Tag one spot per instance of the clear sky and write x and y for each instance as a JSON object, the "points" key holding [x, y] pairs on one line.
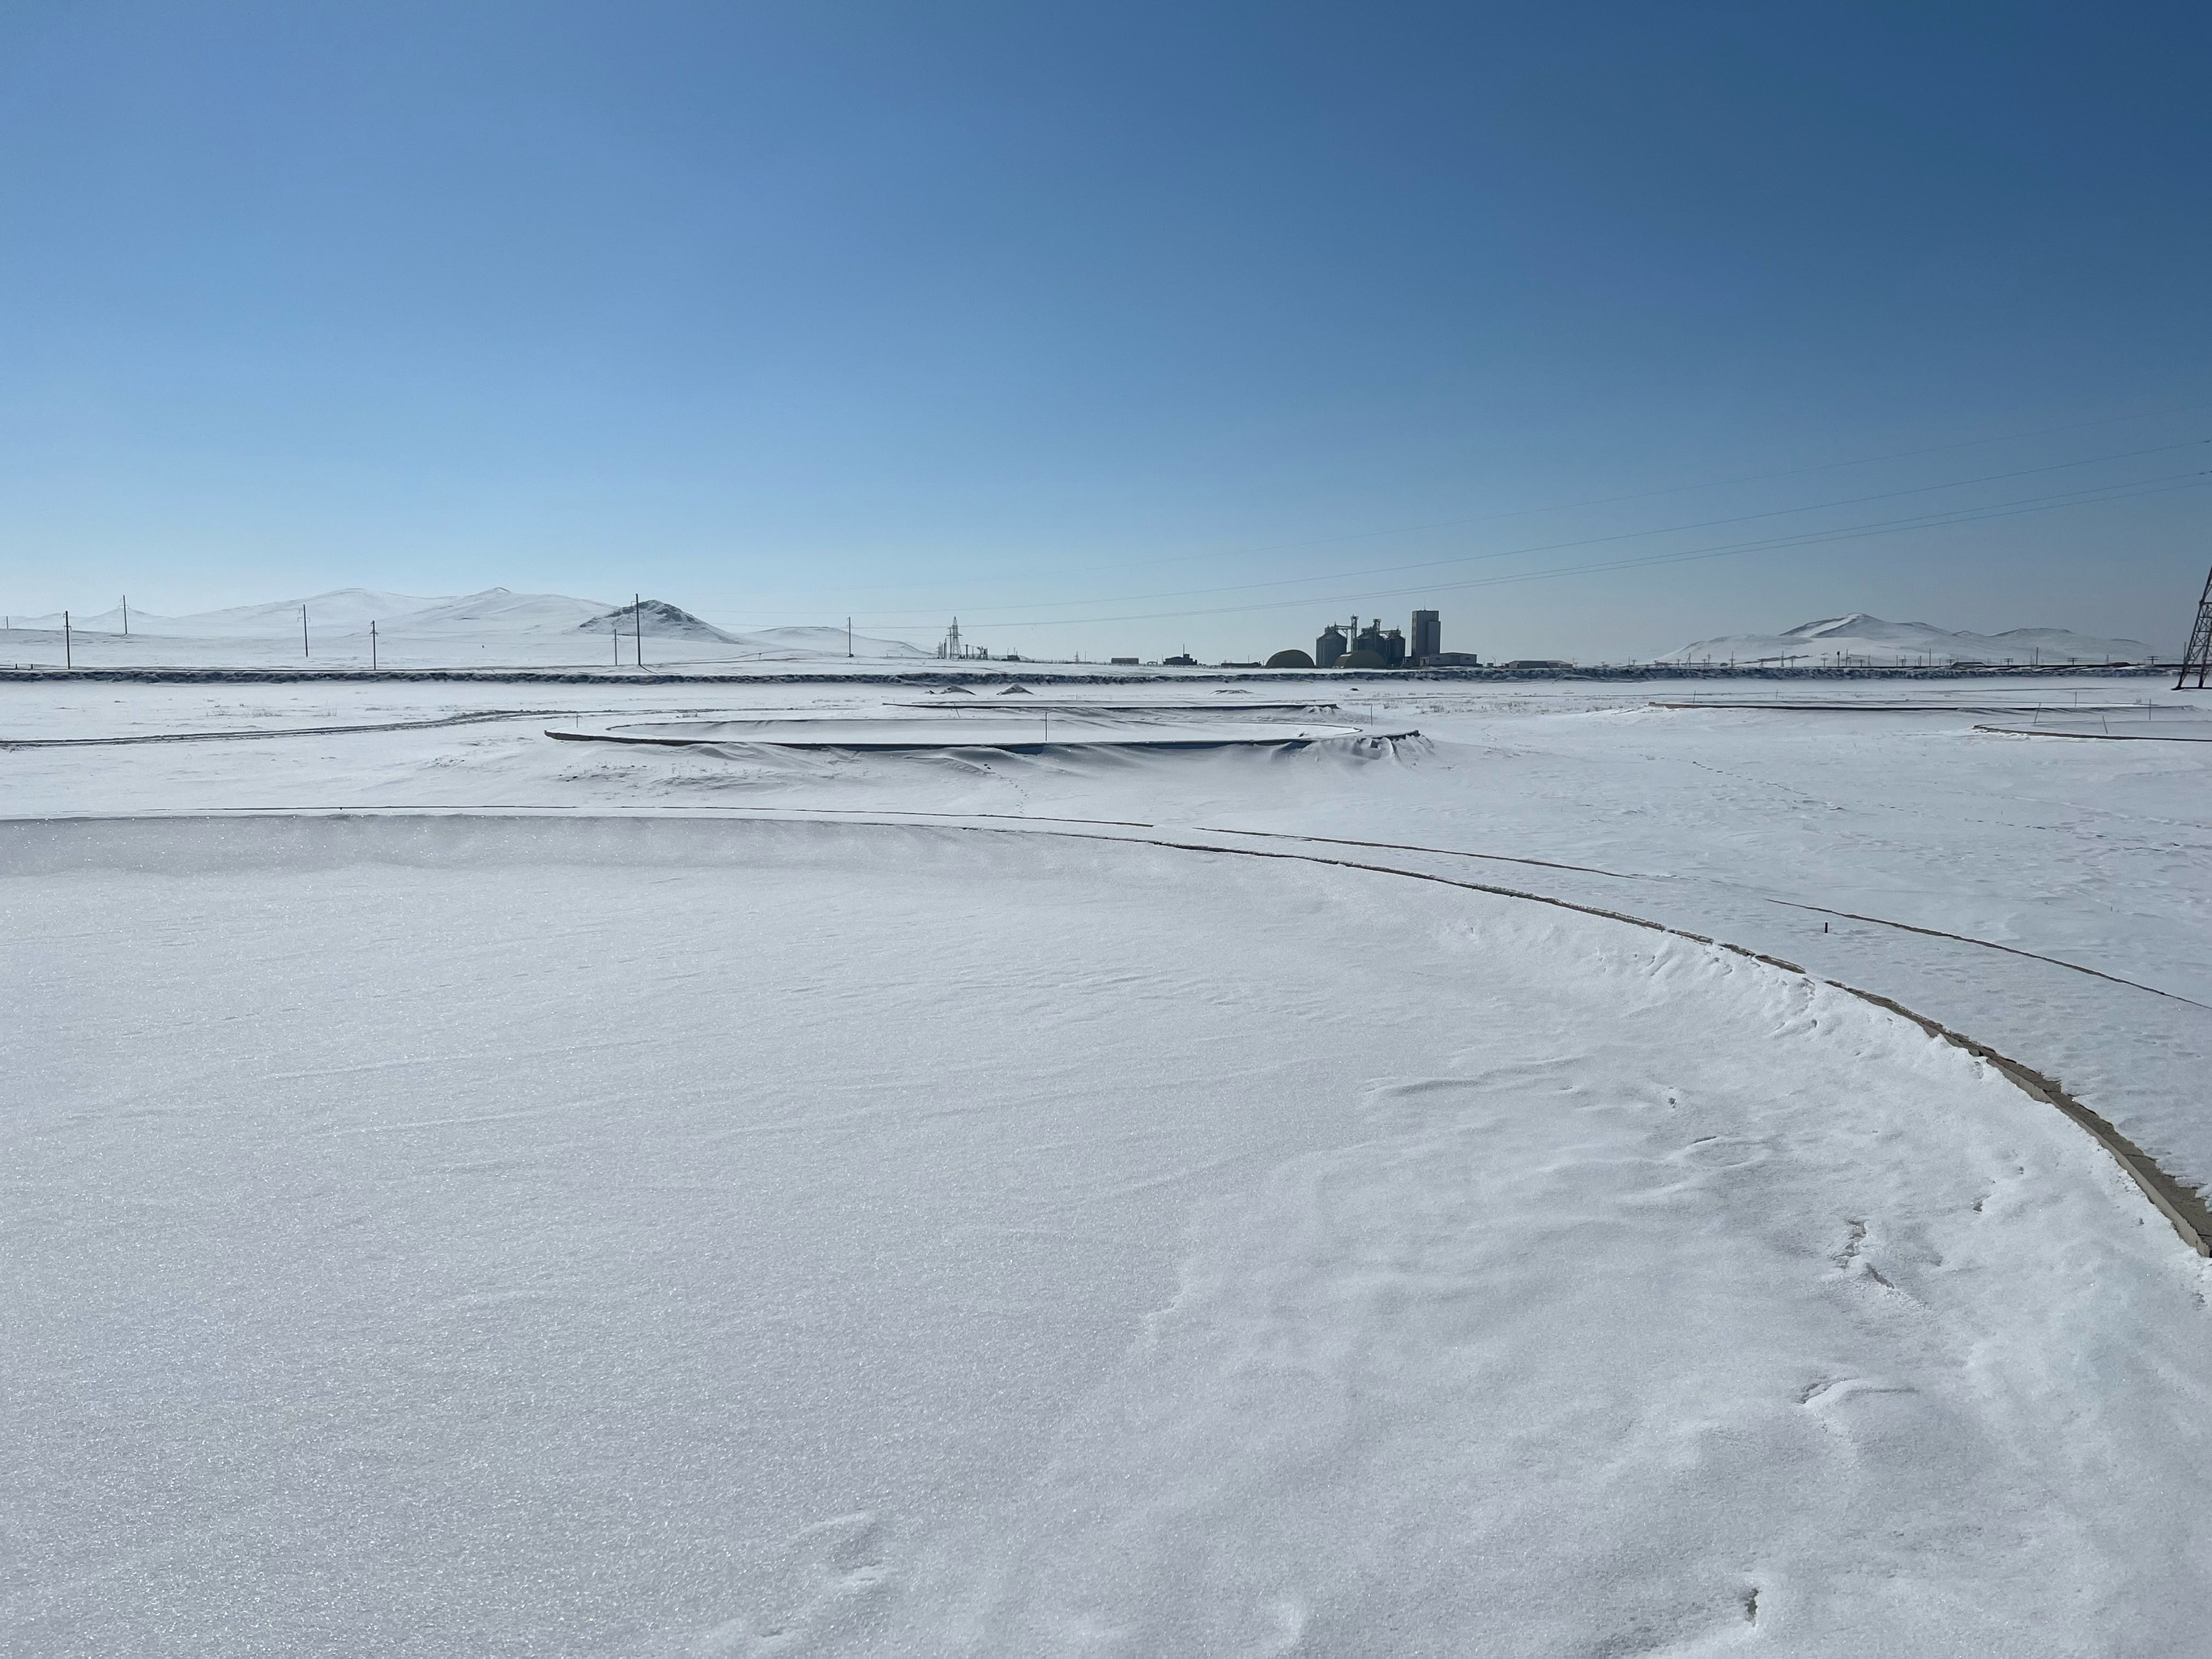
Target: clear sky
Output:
{"points": [[1085, 322]]}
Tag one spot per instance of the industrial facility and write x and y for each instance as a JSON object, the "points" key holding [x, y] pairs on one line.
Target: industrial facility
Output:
{"points": [[1377, 646]]}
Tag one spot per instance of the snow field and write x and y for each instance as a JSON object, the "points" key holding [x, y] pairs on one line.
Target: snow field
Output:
{"points": [[459, 1234], [1483, 1386], [1722, 821]]}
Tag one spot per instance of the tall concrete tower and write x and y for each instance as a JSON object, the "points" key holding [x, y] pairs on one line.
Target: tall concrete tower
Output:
{"points": [[1427, 636]]}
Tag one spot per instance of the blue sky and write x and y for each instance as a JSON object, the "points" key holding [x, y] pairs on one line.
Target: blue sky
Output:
{"points": [[1116, 328]]}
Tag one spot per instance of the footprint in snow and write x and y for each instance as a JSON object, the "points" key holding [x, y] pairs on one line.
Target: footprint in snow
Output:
{"points": [[828, 1578]]}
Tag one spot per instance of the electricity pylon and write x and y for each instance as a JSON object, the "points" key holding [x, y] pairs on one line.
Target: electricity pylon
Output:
{"points": [[2198, 658]]}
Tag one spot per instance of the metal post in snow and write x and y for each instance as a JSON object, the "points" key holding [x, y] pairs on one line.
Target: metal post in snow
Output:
{"points": [[303, 631], [637, 620], [127, 615], [371, 648], [69, 658]]}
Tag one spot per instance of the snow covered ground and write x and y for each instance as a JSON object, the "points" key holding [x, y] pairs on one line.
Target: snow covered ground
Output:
{"points": [[469, 1193]]}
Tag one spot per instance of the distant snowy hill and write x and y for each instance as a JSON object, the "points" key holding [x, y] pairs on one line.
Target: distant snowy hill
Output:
{"points": [[662, 621], [1862, 639], [497, 611], [496, 626], [665, 621], [829, 643], [343, 607]]}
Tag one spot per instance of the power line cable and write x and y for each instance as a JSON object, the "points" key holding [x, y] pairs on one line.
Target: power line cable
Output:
{"points": [[892, 618], [1717, 483], [1963, 516], [2159, 486], [1609, 500]]}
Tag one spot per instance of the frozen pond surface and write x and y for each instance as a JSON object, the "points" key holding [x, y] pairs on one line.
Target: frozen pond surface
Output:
{"points": [[621, 1200]]}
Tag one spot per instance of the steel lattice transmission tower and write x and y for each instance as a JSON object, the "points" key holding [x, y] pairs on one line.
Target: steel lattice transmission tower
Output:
{"points": [[2198, 658]]}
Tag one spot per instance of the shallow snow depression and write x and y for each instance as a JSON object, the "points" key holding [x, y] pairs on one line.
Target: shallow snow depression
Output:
{"points": [[469, 1234]]}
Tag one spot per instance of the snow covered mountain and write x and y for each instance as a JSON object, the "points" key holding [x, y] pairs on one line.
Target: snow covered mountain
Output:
{"points": [[496, 610], [343, 607], [665, 621], [495, 626], [661, 619], [1860, 639]]}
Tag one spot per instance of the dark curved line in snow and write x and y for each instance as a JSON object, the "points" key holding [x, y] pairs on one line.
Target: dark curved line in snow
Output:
{"points": [[1443, 852], [1991, 945], [277, 731], [1793, 904], [2182, 1205], [2093, 736], [1290, 737]]}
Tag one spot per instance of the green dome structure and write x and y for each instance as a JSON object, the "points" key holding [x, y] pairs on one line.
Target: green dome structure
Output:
{"points": [[1290, 659]]}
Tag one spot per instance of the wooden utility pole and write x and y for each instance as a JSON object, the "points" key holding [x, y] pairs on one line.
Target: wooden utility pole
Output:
{"points": [[69, 658], [371, 648], [127, 615], [303, 631], [637, 620]]}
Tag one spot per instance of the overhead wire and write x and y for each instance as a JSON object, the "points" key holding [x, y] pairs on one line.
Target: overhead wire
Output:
{"points": [[884, 617], [892, 617], [2162, 485]]}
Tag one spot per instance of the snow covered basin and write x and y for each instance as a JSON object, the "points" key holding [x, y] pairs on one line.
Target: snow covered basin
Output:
{"points": [[464, 1235], [998, 728]]}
